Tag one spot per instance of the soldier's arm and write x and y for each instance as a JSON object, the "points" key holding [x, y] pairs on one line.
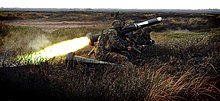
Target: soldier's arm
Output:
{"points": [[116, 41]]}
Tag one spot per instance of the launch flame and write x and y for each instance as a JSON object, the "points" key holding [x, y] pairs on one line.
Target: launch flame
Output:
{"points": [[58, 49]]}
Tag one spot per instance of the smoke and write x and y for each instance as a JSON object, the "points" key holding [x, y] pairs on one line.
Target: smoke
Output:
{"points": [[57, 49], [39, 42]]}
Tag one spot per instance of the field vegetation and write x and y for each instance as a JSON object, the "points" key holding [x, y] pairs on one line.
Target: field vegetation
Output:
{"points": [[182, 65]]}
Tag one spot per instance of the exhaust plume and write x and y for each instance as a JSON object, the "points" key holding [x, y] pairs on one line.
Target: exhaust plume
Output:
{"points": [[58, 49], [39, 42]]}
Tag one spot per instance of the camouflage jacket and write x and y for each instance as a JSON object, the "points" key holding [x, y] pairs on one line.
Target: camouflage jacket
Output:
{"points": [[142, 37], [109, 41]]}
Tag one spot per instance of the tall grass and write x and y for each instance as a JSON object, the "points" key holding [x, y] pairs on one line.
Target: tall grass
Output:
{"points": [[4, 29], [183, 87], [182, 65]]}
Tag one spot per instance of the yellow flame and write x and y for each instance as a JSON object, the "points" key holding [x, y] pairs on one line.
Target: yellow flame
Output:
{"points": [[58, 49]]}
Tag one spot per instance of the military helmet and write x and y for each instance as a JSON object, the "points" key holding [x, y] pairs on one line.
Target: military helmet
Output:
{"points": [[117, 24]]}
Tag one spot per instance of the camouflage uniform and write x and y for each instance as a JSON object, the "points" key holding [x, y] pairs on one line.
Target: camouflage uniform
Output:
{"points": [[143, 37], [111, 47]]}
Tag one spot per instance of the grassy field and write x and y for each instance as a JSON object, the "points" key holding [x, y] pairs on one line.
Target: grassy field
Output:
{"points": [[182, 65]]}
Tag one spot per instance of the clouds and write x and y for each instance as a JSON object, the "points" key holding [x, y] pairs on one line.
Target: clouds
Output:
{"points": [[127, 4]]}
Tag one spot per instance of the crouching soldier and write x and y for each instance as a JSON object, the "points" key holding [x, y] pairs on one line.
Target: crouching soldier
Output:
{"points": [[111, 47], [143, 38]]}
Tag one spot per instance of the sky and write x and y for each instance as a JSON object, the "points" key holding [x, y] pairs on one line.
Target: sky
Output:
{"points": [[122, 4]]}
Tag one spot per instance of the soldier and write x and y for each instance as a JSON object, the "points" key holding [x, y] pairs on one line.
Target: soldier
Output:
{"points": [[111, 47], [143, 38]]}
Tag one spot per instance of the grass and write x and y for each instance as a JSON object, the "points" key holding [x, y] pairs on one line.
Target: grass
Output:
{"points": [[181, 39], [182, 65], [23, 37], [3, 31], [69, 33]]}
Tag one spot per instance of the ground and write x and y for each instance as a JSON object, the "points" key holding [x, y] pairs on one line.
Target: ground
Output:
{"points": [[182, 65]]}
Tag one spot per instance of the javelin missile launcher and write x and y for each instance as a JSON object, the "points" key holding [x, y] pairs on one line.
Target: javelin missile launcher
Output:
{"points": [[127, 29]]}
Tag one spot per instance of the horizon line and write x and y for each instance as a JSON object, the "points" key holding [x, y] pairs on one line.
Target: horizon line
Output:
{"points": [[108, 8]]}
